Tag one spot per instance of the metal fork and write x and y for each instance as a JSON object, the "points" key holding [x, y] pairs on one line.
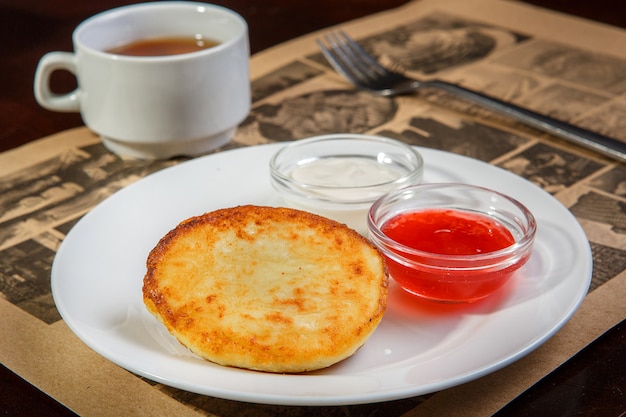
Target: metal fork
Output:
{"points": [[349, 59]]}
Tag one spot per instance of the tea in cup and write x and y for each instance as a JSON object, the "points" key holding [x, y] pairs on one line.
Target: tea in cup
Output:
{"points": [[156, 80]]}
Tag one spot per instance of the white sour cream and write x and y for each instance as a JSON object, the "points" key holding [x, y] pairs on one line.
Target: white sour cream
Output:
{"points": [[350, 171], [345, 181]]}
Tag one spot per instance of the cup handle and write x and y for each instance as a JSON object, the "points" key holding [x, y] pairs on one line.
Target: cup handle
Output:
{"points": [[54, 61]]}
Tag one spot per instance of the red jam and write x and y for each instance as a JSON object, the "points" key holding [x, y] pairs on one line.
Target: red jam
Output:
{"points": [[449, 232]]}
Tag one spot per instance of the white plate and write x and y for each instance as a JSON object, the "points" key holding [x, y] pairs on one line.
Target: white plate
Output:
{"points": [[98, 271]]}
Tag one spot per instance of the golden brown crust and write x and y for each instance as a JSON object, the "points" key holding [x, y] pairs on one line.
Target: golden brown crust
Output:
{"points": [[271, 289]]}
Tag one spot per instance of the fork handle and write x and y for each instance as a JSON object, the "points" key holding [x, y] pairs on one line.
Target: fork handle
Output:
{"points": [[583, 137]]}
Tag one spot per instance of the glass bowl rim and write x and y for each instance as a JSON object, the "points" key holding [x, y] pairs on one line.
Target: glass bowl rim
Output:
{"points": [[276, 173], [385, 244]]}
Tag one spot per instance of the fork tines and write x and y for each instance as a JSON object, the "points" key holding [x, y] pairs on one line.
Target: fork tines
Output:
{"points": [[349, 59]]}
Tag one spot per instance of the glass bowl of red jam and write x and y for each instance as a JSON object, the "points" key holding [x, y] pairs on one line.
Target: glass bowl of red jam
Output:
{"points": [[452, 243], [340, 176]]}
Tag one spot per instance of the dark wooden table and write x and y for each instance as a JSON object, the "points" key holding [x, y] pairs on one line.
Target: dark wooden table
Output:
{"points": [[30, 28]]}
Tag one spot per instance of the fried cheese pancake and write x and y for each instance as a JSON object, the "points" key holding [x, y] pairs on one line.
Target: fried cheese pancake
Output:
{"points": [[264, 288]]}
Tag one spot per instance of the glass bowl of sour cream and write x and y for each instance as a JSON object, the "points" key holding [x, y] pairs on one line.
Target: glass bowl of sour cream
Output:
{"points": [[340, 176]]}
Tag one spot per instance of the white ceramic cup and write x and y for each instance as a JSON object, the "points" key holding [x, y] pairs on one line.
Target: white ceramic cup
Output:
{"points": [[162, 106]]}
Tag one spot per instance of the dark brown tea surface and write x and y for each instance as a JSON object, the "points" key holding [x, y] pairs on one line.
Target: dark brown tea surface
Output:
{"points": [[163, 46]]}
